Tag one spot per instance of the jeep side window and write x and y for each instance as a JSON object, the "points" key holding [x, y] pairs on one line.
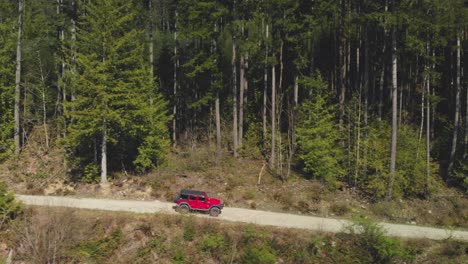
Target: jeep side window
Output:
{"points": [[184, 196], [191, 197], [201, 198]]}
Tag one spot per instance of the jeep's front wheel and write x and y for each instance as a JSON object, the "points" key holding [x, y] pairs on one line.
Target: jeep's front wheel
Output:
{"points": [[184, 209], [214, 211]]}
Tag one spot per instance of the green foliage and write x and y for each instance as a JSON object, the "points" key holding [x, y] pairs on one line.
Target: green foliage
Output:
{"points": [[7, 77], [260, 254], [116, 93], [317, 134], [101, 249], [179, 257], [154, 245], [189, 231], [411, 170], [9, 208], [91, 173], [460, 173], [373, 243]]}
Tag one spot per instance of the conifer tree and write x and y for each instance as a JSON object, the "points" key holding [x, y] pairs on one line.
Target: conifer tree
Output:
{"points": [[118, 109], [318, 134], [7, 76]]}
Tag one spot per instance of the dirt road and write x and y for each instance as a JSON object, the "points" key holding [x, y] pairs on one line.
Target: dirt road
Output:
{"points": [[243, 215]]}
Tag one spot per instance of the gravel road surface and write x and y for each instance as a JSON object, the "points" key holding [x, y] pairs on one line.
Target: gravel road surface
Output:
{"points": [[242, 215]]}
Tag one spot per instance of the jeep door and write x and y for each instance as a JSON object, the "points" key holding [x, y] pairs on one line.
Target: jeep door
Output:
{"points": [[192, 201], [202, 204]]}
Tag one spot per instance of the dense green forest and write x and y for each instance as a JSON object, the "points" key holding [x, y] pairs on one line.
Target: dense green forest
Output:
{"points": [[365, 94]]}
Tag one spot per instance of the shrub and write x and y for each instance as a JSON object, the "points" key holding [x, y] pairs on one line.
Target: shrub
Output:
{"points": [[9, 208], [339, 209], [101, 249], [189, 231], [215, 245], [178, 257], [379, 247], [260, 254]]}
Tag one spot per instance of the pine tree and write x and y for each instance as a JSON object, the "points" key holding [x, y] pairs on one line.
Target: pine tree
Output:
{"points": [[118, 108], [7, 77], [318, 134]]}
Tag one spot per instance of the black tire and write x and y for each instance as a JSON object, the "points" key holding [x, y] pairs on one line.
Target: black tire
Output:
{"points": [[214, 211], [184, 209]]}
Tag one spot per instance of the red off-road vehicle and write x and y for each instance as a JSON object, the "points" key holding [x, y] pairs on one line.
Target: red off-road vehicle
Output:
{"points": [[191, 200]]}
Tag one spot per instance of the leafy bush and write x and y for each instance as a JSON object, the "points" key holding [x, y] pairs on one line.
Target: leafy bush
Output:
{"points": [[101, 249], [340, 209], [215, 245], [410, 176], [178, 257], [189, 231], [460, 174], [379, 248], [9, 208], [260, 254], [91, 172]]}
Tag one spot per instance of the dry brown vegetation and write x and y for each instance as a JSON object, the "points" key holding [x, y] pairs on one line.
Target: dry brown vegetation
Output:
{"points": [[49, 235], [235, 182]]}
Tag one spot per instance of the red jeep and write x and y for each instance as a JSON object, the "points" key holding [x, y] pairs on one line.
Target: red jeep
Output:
{"points": [[191, 200]]}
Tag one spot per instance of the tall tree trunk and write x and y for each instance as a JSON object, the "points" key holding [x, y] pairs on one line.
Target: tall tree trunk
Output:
{"points": [[273, 116], [428, 135], [265, 92], [73, 49], [456, 121], [43, 95], [61, 66], [421, 127], [17, 128], [151, 37], [246, 81], [359, 89], [234, 98], [217, 108], [176, 68], [104, 152], [393, 151], [342, 64], [241, 99], [366, 97]]}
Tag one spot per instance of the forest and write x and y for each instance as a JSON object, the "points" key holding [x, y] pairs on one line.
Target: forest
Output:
{"points": [[361, 94]]}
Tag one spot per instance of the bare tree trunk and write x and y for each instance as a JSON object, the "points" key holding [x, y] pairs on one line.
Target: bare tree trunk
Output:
{"points": [[246, 80], [234, 97], [273, 116], [342, 64], [151, 37], [73, 50], [393, 152], [421, 128], [17, 128], [44, 109], [456, 121], [382, 74], [60, 83], [241, 99], [104, 152], [176, 67], [366, 97], [265, 92], [428, 135], [217, 108]]}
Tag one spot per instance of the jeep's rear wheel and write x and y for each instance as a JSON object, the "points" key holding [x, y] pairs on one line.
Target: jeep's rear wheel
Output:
{"points": [[184, 209], [214, 211]]}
